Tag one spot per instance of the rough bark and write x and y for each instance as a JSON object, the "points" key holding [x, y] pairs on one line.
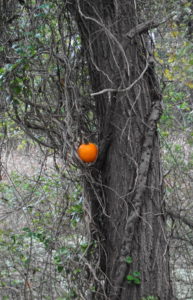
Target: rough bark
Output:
{"points": [[124, 187]]}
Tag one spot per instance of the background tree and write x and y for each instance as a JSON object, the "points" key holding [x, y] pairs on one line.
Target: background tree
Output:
{"points": [[176, 138]]}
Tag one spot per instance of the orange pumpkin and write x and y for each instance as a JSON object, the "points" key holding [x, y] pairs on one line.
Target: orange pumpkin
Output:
{"points": [[88, 152]]}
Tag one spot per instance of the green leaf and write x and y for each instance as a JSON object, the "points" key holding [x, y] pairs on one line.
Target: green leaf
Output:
{"points": [[128, 260], [84, 246], [137, 274], [137, 281], [2, 70], [27, 229], [60, 268], [75, 209], [130, 278], [57, 260], [134, 278], [13, 238], [17, 89]]}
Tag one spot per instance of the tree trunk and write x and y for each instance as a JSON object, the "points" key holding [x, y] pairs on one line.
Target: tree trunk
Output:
{"points": [[124, 187]]}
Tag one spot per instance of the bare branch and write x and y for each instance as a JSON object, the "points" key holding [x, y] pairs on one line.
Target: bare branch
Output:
{"points": [[144, 27], [178, 216]]}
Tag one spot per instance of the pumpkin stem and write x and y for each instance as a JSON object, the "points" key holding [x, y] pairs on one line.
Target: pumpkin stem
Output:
{"points": [[85, 140]]}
